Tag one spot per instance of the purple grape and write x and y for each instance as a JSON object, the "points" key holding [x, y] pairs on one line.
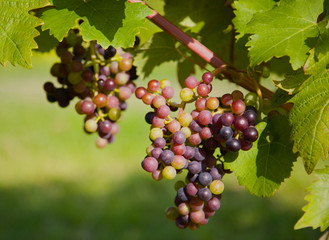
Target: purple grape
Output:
{"points": [[251, 108], [250, 134], [204, 194], [194, 167], [216, 119], [192, 177], [160, 142], [181, 222], [123, 106], [205, 178], [104, 70], [245, 145], [213, 204], [181, 195], [225, 133], [233, 145], [109, 84], [87, 75], [210, 161], [251, 116], [105, 126], [148, 117], [207, 77], [210, 144], [227, 119], [215, 174], [156, 152], [241, 123], [200, 154], [179, 137], [191, 189], [195, 127], [167, 156], [189, 152], [109, 52]]}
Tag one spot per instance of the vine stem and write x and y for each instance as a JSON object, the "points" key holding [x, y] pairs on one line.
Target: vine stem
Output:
{"points": [[204, 52]]}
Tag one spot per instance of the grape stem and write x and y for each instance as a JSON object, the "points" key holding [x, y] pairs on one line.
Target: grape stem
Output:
{"points": [[201, 50], [94, 58]]}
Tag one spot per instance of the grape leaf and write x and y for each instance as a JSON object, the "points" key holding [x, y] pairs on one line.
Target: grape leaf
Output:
{"points": [[317, 211], [319, 55], [286, 29], [45, 41], [17, 31], [244, 11], [292, 81], [109, 22], [280, 97], [310, 120], [159, 49], [264, 167], [210, 20]]}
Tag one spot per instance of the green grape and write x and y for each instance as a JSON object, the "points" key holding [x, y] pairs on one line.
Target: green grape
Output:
{"points": [[171, 213], [164, 83], [185, 119], [187, 131], [74, 77], [216, 187], [91, 125], [155, 133], [186, 94], [251, 97], [169, 172], [266, 72], [114, 114]]}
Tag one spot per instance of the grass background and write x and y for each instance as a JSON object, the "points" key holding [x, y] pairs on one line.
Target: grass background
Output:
{"points": [[55, 184]]}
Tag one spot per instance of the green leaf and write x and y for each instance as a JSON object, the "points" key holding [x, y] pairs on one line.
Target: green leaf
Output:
{"points": [[109, 22], [210, 20], [17, 31], [318, 60], [317, 211], [244, 11], [264, 167], [292, 82], [310, 120], [280, 97], [159, 49], [45, 41], [286, 29]]}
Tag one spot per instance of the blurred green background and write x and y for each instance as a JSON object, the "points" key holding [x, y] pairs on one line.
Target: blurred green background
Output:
{"points": [[55, 184]]}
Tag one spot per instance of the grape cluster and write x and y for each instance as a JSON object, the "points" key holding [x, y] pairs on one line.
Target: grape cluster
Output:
{"points": [[189, 141], [102, 80]]}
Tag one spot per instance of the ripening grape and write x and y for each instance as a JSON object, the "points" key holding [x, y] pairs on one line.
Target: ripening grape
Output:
{"points": [[125, 64], [186, 94], [169, 172], [167, 92], [150, 164], [187, 143], [164, 83], [216, 187], [156, 133], [153, 85], [91, 125]]}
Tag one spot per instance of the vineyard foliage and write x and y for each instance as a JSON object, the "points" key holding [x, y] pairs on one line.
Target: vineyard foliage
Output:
{"points": [[284, 42]]}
